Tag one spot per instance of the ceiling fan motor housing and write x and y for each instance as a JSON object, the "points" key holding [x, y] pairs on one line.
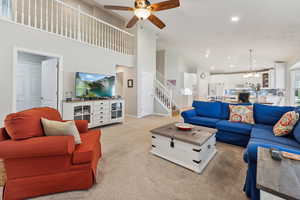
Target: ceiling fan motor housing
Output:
{"points": [[142, 4]]}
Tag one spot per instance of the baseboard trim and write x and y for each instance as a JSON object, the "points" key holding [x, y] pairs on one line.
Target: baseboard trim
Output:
{"points": [[161, 114], [133, 116]]}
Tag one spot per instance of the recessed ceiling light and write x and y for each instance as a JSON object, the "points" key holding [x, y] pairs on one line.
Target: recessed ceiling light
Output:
{"points": [[231, 66], [207, 53], [235, 18]]}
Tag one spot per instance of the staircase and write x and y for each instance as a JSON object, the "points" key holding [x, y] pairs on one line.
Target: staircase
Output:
{"points": [[164, 96]]}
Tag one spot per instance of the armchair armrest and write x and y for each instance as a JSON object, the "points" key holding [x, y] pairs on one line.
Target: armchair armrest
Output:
{"points": [[37, 147], [189, 113], [82, 125]]}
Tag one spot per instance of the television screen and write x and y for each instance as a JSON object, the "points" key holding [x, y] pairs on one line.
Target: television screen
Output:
{"points": [[94, 85]]}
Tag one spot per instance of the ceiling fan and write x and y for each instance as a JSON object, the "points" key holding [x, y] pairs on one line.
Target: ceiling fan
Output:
{"points": [[143, 10]]}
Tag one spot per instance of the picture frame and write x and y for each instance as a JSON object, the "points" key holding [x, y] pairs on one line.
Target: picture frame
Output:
{"points": [[130, 83]]}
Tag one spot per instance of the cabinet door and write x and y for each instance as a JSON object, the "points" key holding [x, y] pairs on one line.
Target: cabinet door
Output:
{"points": [[117, 110], [77, 111], [87, 112]]}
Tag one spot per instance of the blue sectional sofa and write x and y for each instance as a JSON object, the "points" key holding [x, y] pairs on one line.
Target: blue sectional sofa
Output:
{"points": [[216, 115]]}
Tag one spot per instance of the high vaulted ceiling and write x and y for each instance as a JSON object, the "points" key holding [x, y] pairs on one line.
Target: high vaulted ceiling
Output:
{"points": [[204, 27]]}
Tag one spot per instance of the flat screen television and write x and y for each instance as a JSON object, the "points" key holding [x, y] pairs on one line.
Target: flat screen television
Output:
{"points": [[94, 85]]}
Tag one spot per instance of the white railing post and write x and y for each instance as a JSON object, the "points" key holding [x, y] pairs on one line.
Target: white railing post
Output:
{"points": [[46, 13], [66, 23], [41, 20], [62, 19], [52, 16], [35, 14], [29, 13], [22, 10], [57, 10], [16, 10]]}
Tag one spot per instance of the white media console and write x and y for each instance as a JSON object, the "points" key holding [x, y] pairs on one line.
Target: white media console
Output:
{"points": [[96, 112]]}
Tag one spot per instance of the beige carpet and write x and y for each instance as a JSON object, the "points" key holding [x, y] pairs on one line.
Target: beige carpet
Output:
{"points": [[128, 171]]}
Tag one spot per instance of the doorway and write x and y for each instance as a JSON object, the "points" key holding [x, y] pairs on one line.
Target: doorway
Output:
{"points": [[127, 91], [36, 81], [295, 87]]}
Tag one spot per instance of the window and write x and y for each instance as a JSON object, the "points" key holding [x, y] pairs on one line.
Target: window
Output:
{"points": [[6, 8], [295, 79]]}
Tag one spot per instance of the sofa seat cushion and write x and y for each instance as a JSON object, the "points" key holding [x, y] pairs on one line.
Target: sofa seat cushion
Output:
{"points": [[84, 152], [208, 109], [267, 135], [269, 115], [203, 121], [263, 126], [234, 127]]}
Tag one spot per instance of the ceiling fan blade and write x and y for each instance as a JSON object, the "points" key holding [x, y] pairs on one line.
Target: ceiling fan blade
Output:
{"points": [[156, 21], [118, 8], [132, 22], [165, 5]]}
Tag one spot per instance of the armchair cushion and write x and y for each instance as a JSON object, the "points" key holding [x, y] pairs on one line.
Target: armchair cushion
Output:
{"points": [[37, 147], [56, 128], [27, 124], [85, 151]]}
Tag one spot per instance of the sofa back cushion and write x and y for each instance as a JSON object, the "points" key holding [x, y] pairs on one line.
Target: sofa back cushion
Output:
{"points": [[208, 109], [27, 124], [296, 132], [269, 115]]}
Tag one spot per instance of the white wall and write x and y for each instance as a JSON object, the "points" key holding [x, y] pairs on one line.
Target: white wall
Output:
{"points": [[76, 57], [146, 69], [293, 64], [202, 83]]}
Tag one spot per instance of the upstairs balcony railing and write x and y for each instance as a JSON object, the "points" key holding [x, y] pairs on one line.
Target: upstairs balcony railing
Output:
{"points": [[57, 17]]}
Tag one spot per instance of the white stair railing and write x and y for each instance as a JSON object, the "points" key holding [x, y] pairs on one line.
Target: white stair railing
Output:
{"points": [[55, 16], [163, 95], [179, 98]]}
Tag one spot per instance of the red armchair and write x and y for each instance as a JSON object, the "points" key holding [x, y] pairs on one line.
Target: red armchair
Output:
{"points": [[41, 164]]}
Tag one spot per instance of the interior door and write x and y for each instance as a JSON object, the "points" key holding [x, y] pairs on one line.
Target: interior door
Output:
{"points": [[28, 86], [49, 83]]}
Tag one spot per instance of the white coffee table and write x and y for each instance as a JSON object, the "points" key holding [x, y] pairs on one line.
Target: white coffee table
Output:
{"points": [[190, 149]]}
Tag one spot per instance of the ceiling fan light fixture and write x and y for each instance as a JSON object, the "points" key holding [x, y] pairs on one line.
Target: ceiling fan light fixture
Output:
{"points": [[142, 13]]}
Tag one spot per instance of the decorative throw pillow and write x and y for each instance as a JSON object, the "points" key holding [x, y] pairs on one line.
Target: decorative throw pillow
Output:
{"points": [[286, 123], [241, 113], [56, 128]]}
